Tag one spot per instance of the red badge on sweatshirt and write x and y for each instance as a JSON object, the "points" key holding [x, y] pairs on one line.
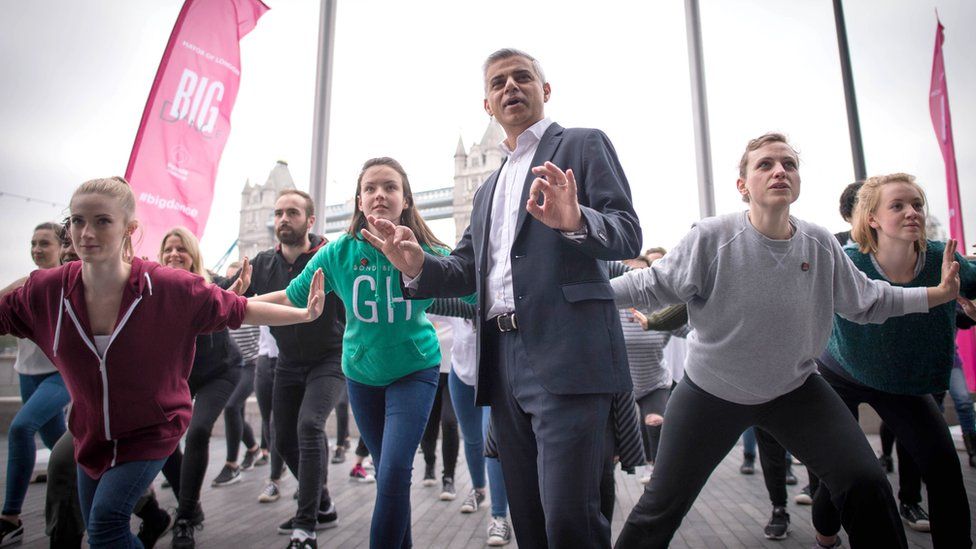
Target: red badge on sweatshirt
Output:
{"points": [[804, 266], [364, 262]]}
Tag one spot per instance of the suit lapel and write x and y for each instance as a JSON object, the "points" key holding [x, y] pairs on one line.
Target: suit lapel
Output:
{"points": [[547, 149]]}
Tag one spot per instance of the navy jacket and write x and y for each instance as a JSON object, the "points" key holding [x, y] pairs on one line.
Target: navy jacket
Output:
{"points": [[563, 300]]}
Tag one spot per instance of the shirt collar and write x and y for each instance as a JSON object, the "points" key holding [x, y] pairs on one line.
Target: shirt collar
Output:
{"points": [[528, 138]]}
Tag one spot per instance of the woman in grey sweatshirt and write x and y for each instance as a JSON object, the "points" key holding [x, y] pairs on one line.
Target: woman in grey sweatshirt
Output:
{"points": [[761, 288]]}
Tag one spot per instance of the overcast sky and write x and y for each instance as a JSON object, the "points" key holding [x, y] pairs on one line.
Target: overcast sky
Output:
{"points": [[407, 83]]}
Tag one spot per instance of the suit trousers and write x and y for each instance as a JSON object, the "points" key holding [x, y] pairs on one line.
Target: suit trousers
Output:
{"points": [[551, 447]]}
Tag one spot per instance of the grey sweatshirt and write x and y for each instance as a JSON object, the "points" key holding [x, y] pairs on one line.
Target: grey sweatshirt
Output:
{"points": [[761, 310]]}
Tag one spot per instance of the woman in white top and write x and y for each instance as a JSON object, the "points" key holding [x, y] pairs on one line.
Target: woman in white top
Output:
{"points": [[44, 395]]}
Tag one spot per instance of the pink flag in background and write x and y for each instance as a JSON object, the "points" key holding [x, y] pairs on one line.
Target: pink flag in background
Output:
{"points": [[186, 121], [939, 109]]}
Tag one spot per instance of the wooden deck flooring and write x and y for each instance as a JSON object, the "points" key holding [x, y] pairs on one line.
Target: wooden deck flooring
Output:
{"points": [[730, 512]]}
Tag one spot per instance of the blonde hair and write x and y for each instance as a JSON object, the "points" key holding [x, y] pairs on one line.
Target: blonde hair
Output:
{"points": [[117, 188], [868, 201], [192, 246]]}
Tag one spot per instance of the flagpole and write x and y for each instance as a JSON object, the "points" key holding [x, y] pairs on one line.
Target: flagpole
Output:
{"points": [[699, 104], [323, 104], [853, 121]]}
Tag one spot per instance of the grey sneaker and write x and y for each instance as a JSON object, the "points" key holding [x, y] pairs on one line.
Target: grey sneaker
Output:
{"points": [[499, 533], [270, 493], [227, 476], [473, 502], [447, 491]]}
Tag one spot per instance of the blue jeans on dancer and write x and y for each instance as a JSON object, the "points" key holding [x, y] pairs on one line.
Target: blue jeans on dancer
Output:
{"points": [[474, 424], [391, 419], [44, 397], [107, 502]]}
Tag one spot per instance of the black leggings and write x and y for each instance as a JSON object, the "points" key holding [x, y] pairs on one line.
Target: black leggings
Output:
{"points": [[236, 427], [919, 426], [442, 414], [654, 402], [209, 400], [264, 374], [811, 421]]}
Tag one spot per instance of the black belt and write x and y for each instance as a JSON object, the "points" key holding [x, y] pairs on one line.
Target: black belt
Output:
{"points": [[505, 322]]}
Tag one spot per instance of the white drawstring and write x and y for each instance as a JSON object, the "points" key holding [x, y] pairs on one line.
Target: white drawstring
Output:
{"points": [[57, 329]]}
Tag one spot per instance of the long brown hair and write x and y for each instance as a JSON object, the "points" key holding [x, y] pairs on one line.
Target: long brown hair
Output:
{"points": [[410, 217]]}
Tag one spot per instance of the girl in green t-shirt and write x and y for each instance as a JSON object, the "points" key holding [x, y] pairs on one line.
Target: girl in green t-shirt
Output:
{"points": [[390, 354]]}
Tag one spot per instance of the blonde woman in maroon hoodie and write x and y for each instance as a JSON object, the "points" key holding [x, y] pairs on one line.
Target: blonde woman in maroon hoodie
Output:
{"points": [[121, 331]]}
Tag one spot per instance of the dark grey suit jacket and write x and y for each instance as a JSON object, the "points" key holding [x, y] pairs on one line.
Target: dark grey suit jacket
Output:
{"points": [[564, 304]]}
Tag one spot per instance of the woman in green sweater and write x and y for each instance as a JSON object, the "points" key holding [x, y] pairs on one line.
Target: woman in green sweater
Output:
{"points": [[895, 366], [390, 353]]}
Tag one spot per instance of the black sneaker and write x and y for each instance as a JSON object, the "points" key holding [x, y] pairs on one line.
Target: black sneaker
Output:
{"points": [[887, 463], [326, 519], [778, 526], [11, 533], [790, 477], [249, 458], [429, 478], [227, 476], [915, 516], [804, 497], [183, 534], [307, 543], [153, 527], [473, 502], [340, 454], [448, 493], [748, 466]]}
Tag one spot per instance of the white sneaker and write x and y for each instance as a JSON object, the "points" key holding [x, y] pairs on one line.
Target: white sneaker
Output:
{"points": [[499, 533]]}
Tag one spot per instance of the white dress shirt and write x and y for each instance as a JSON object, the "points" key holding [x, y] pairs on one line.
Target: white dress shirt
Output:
{"points": [[505, 208]]}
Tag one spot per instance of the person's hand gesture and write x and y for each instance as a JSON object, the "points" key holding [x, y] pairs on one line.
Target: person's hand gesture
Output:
{"points": [[641, 319], [243, 281], [950, 271], [316, 296], [560, 208], [398, 244]]}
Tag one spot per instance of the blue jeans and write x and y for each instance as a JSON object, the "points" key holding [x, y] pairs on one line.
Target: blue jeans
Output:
{"points": [[391, 420], [474, 424], [44, 398], [107, 503], [749, 443], [963, 402]]}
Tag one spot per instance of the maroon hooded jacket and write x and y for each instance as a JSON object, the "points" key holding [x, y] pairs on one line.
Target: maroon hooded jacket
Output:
{"points": [[133, 403]]}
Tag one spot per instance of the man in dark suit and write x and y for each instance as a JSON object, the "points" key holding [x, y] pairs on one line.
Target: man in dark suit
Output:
{"points": [[550, 348]]}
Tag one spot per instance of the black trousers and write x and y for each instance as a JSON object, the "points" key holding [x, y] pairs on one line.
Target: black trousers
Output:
{"points": [[811, 421], [919, 426], [304, 396], [441, 419], [551, 449], [236, 427]]}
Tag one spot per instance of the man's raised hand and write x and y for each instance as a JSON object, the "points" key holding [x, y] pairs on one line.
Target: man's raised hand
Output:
{"points": [[560, 208], [398, 244]]}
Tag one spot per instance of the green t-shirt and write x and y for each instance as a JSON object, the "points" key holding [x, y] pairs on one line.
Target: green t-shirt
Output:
{"points": [[387, 337]]}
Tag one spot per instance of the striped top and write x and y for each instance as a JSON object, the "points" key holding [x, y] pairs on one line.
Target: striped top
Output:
{"points": [[645, 353], [246, 338]]}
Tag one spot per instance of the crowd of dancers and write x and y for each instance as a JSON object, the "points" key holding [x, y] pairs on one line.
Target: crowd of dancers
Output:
{"points": [[555, 371]]}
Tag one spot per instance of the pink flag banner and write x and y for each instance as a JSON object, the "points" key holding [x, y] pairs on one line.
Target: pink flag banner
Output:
{"points": [[942, 122], [186, 122]]}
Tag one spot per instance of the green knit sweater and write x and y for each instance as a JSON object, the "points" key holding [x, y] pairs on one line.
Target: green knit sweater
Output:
{"points": [[911, 354]]}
